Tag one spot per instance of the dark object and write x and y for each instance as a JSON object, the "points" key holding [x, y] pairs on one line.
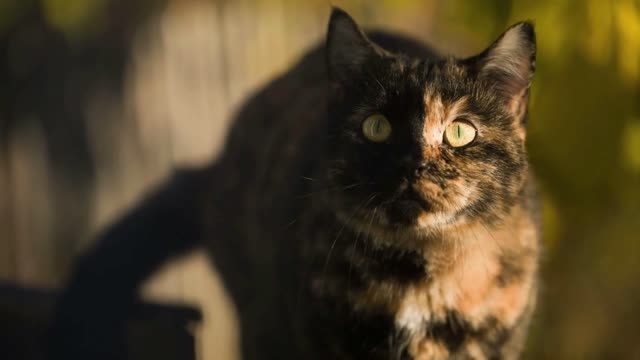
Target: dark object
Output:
{"points": [[158, 332]]}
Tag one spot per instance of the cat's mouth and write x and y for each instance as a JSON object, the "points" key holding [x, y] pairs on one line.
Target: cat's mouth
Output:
{"points": [[412, 198], [407, 207]]}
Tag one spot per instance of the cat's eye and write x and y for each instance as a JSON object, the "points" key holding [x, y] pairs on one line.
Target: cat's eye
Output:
{"points": [[460, 133], [376, 128]]}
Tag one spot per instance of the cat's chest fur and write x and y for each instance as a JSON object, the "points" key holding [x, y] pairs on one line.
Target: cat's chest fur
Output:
{"points": [[457, 309], [469, 295]]}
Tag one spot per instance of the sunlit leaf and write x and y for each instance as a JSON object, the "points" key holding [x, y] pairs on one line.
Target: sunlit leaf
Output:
{"points": [[628, 25]]}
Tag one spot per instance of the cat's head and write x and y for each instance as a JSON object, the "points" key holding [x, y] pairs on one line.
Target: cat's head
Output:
{"points": [[419, 142]]}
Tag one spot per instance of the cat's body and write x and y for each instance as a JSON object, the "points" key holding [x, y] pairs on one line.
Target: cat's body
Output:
{"points": [[333, 247]]}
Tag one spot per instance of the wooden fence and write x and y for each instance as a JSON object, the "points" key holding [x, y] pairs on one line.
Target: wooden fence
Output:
{"points": [[189, 68]]}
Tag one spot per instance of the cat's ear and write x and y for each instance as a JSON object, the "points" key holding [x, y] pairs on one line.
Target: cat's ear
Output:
{"points": [[348, 48], [509, 64]]}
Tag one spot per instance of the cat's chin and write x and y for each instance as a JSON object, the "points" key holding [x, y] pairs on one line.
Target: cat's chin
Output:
{"points": [[407, 220], [431, 221], [404, 213], [402, 218]]}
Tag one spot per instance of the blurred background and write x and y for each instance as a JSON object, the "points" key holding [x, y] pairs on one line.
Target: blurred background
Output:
{"points": [[100, 99]]}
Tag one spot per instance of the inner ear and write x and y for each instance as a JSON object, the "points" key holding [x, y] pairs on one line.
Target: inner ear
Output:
{"points": [[508, 65], [348, 48]]}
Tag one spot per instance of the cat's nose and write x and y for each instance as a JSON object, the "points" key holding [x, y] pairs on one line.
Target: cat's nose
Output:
{"points": [[423, 168]]}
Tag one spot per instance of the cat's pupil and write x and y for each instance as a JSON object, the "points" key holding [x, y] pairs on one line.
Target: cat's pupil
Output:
{"points": [[459, 130]]}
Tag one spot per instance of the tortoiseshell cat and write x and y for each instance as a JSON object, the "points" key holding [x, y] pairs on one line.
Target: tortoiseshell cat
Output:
{"points": [[374, 202]]}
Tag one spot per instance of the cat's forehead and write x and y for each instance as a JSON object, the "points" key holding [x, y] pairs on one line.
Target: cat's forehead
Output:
{"points": [[446, 76], [443, 91], [439, 112]]}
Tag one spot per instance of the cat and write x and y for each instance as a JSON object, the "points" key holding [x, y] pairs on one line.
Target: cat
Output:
{"points": [[374, 202]]}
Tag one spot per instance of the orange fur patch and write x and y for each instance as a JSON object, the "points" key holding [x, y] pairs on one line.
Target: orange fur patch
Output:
{"points": [[464, 271], [427, 349], [438, 116]]}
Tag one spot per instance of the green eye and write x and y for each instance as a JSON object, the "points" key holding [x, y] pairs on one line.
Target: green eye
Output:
{"points": [[376, 128], [460, 133]]}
